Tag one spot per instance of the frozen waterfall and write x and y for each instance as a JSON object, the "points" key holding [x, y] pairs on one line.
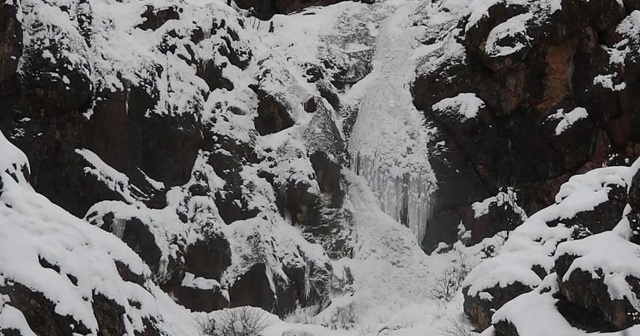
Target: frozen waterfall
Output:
{"points": [[388, 144], [406, 197]]}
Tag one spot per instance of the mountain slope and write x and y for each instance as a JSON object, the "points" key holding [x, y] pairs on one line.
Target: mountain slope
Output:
{"points": [[180, 157]]}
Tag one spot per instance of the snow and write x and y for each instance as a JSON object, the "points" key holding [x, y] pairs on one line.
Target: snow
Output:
{"points": [[12, 318], [535, 243], [388, 144], [567, 119], [390, 188], [513, 29], [501, 199], [104, 173], [33, 228], [192, 281], [541, 304], [13, 161], [607, 82], [609, 253], [465, 106], [520, 310], [480, 8]]}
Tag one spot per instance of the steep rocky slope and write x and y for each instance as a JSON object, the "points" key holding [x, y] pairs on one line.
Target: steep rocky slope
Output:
{"points": [[524, 94], [169, 127], [555, 267], [165, 160]]}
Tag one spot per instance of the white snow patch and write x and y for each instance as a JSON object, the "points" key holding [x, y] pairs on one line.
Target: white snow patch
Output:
{"points": [[192, 281], [501, 199], [566, 120], [606, 81], [464, 105], [514, 29]]}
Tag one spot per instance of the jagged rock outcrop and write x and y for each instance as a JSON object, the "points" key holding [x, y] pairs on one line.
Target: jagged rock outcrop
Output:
{"points": [[576, 270], [265, 9], [524, 95], [156, 127], [62, 276]]}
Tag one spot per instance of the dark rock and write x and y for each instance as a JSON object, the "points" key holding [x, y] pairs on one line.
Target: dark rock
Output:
{"points": [[505, 328], [253, 289], [499, 217], [604, 217], [311, 105], [227, 159], [138, 237], [126, 138], [109, 316], [295, 200], [591, 293], [459, 185], [581, 318], [265, 9], [54, 86], [196, 299], [329, 177], [634, 193], [154, 19], [480, 310], [208, 258], [350, 72], [328, 92], [313, 73], [212, 75], [631, 5], [40, 312], [237, 54], [127, 275], [512, 142], [273, 116], [10, 46]]}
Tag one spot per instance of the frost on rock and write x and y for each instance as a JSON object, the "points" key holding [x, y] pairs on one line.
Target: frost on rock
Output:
{"points": [[567, 119], [552, 243], [463, 106], [58, 260], [13, 162], [514, 30], [502, 199]]}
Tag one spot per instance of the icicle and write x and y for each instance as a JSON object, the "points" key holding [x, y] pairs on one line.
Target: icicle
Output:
{"points": [[407, 198]]}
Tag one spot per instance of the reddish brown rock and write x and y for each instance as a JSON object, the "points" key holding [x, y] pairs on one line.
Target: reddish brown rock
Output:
{"points": [[513, 142]]}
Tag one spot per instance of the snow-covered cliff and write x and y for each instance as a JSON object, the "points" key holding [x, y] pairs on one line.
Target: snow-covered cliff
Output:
{"points": [[164, 161]]}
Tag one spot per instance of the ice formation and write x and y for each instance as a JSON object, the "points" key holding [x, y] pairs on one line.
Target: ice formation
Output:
{"points": [[388, 144]]}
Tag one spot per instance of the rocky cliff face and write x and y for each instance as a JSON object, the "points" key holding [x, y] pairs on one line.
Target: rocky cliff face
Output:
{"points": [[160, 157], [523, 96], [574, 263], [548, 88], [162, 125]]}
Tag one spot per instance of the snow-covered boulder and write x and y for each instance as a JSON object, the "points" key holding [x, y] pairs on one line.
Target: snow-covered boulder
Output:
{"points": [[582, 242], [600, 274], [184, 129], [553, 78], [60, 276]]}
